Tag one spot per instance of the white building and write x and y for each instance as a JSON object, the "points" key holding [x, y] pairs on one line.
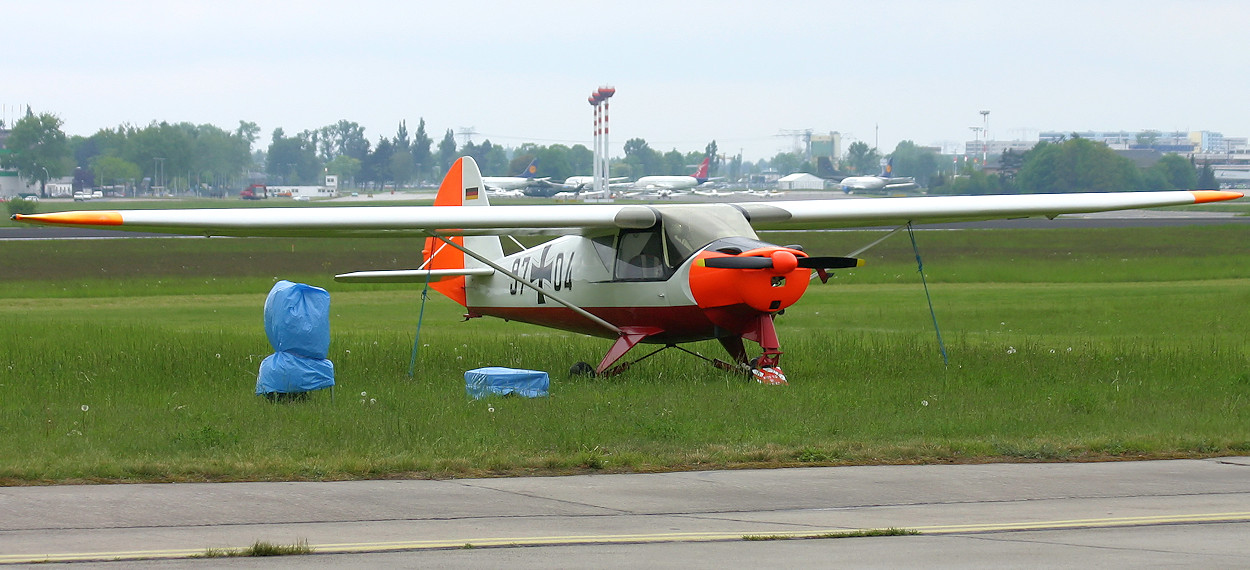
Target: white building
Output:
{"points": [[800, 181]]}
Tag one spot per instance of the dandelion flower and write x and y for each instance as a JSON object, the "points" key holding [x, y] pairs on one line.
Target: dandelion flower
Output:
{"points": [[924, 402], [85, 407], [364, 394]]}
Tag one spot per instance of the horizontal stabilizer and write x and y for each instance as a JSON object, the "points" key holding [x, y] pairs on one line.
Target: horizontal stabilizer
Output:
{"points": [[410, 275]]}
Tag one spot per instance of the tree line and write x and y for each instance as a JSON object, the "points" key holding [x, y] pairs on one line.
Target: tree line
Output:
{"points": [[185, 156]]}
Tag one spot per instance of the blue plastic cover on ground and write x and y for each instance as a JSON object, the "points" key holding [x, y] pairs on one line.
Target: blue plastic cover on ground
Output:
{"points": [[286, 373], [483, 382], [297, 319], [297, 322]]}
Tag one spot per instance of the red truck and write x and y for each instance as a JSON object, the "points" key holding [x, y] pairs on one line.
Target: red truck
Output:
{"points": [[255, 192]]}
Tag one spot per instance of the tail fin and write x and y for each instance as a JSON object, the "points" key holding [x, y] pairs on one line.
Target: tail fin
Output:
{"points": [[461, 187], [531, 170], [701, 173], [887, 168]]}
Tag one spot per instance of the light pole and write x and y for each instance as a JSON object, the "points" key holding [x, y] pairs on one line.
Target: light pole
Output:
{"points": [[43, 189], [976, 134], [985, 118]]}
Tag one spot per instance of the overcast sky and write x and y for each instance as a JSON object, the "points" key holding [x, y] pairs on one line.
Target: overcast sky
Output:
{"points": [[685, 72]]}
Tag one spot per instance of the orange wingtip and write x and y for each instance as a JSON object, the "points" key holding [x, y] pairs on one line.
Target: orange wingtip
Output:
{"points": [[1201, 196], [103, 218]]}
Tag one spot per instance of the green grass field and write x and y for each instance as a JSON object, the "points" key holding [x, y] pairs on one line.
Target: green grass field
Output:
{"points": [[136, 360]]}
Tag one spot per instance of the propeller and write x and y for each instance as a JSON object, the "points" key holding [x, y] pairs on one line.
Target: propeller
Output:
{"points": [[761, 262]]}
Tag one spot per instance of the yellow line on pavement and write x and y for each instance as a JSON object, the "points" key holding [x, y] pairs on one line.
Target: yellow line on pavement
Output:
{"points": [[564, 540]]}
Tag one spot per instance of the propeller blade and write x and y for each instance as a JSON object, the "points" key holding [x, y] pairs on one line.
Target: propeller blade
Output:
{"points": [[750, 262], [829, 262]]}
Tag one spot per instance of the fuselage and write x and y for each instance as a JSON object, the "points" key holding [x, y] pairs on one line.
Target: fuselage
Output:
{"points": [[639, 279], [506, 182], [875, 184], [667, 182]]}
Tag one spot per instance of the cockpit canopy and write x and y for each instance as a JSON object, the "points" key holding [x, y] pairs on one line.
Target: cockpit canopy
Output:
{"points": [[655, 253]]}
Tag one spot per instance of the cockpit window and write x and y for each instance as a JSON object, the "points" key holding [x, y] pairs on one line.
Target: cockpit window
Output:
{"points": [[640, 256]]}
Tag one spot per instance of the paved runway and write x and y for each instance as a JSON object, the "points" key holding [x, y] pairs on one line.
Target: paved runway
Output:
{"points": [[1150, 513]]}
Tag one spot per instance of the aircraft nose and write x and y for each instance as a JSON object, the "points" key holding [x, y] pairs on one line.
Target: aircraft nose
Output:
{"points": [[765, 279]]}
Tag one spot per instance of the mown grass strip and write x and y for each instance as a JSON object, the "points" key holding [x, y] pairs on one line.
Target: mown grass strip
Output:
{"points": [[1051, 371]]}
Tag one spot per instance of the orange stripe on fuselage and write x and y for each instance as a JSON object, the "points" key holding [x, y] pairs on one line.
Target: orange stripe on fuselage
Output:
{"points": [[79, 218], [1203, 196]]}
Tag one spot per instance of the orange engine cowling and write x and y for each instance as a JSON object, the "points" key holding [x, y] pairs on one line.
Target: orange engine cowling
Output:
{"points": [[766, 289]]}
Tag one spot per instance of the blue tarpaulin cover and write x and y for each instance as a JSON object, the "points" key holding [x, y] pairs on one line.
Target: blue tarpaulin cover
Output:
{"points": [[297, 322], [483, 382]]}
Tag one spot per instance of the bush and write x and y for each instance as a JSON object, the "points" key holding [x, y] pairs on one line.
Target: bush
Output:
{"points": [[20, 206]]}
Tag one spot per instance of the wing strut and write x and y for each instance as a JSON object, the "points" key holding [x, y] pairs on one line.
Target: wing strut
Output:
{"points": [[530, 284], [925, 282]]}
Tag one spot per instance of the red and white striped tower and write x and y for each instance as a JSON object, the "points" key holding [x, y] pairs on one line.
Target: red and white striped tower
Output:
{"points": [[605, 92], [594, 101]]}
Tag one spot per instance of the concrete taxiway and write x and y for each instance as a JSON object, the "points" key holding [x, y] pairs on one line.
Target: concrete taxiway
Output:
{"points": [[1172, 513]]}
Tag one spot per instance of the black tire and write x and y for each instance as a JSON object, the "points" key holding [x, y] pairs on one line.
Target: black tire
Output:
{"points": [[582, 369]]}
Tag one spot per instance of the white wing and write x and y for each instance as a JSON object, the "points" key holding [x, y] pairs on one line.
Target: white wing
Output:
{"points": [[562, 219], [928, 209]]}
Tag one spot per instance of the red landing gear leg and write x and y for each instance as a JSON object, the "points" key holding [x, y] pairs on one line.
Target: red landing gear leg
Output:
{"points": [[767, 368]]}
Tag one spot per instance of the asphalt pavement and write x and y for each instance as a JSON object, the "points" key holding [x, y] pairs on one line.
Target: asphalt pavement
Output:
{"points": [[1119, 514]]}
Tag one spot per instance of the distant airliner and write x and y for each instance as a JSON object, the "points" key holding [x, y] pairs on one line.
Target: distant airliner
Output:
{"points": [[671, 183], [499, 184], [884, 182]]}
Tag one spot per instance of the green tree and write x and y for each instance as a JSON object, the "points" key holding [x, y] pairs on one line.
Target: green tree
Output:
{"points": [[553, 161], [446, 152], [914, 161], [675, 163], [581, 160], [641, 158], [422, 158], [1172, 172], [114, 171], [786, 163], [715, 165], [38, 149], [377, 166], [343, 137], [401, 167], [1147, 138], [974, 183], [346, 167], [861, 159], [1076, 165], [1206, 179], [293, 159], [248, 132]]}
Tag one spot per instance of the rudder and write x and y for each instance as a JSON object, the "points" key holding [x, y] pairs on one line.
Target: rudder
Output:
{"points": [[462, 186]]}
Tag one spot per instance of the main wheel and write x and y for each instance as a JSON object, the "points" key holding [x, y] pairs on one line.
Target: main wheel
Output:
{"points": [[582, 369]]}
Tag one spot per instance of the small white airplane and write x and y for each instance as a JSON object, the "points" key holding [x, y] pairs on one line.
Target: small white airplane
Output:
{"points": [[579, 194], [575, 183], [663, 274], [765, 193], [714, 193], [671, 183], [883, 183], [513, 183]]}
